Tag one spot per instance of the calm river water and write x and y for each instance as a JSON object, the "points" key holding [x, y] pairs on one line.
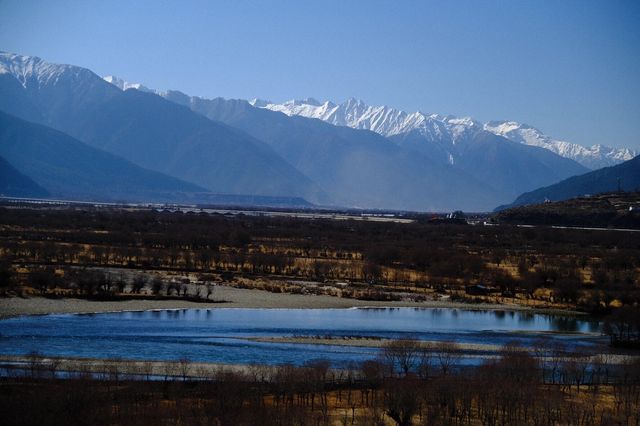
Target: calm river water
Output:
{"points": [[220, 335]]}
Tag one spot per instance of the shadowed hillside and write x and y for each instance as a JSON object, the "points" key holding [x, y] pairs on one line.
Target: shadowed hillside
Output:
{"points": [[16, 184], [625, 177], [617, 210], [68, 168]]}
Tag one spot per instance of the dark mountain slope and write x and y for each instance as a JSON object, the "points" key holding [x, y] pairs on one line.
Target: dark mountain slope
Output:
{"points": [[14, 99], [159, 134], [627, 174], [617, 210], [510, 167], [148, 130], [15, 184], [68, 168], [356, 167]]}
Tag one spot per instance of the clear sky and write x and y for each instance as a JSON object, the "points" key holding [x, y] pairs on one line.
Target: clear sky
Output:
{"points": [[570, 68]]}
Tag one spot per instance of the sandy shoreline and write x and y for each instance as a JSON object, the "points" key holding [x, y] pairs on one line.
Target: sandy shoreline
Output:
{"points": [[207, 369], [466, 350], [233, 298], [365, 342], [169, 368]]}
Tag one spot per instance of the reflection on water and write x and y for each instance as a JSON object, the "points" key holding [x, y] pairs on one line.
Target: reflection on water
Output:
{"points": [[566, 324], [525, 317], [220, 335], [594, 327]]}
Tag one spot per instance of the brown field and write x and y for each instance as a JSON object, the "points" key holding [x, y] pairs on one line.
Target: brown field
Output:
{"points": [[108, 253]]}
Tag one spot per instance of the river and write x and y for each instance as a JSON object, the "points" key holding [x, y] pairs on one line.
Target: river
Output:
{"points": [[228, 335]]}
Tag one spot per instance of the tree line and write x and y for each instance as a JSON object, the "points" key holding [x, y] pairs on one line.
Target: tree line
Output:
{"points": [[588, 269], [409, 383]]}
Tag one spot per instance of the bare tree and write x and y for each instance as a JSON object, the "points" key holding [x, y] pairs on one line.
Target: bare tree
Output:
{"points": [[447, 354], [35, 364], [210, 287], [402, 355], [425, 360], [184, 366], [112, 369], [556, 356], [147, 369], [173, 286], [121, 284], [157, 285], [401, 400], [138, 283]]}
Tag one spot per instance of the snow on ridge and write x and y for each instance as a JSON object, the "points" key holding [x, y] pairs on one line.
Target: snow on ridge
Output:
{"points": [[125, 85], [595, 156], [31, 69], [389, 121], [259, 103]]}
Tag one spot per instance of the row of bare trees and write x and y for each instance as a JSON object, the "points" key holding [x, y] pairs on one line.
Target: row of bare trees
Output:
{"points": [[410, 383], [417, 253], [98, 283]]}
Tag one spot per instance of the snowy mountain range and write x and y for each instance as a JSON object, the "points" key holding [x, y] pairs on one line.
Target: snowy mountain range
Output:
{"points": [[435, 128], [436, 150], [594, 157], [141, 132], [63, 124]]}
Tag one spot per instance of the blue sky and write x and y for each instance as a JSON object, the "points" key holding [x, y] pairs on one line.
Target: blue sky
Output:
{"points": [[570, 68]]}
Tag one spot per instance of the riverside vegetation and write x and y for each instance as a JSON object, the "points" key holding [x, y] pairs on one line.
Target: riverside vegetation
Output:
{"points": [[118, 253], [137, 253], [410, 383]]}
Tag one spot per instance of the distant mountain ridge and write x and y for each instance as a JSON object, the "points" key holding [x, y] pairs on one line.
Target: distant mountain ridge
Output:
{"points": [[226, 146], [147, 130], [594, 157], [71, 170], [435, 128], [124, 85], [67, 168], [461, 150], [358, 168]]}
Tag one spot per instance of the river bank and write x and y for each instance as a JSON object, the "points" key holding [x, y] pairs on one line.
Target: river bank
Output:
{"points": [[230, 297]]}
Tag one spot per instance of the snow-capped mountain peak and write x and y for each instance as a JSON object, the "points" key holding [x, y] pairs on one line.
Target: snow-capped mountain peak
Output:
{"points": [[124, 85], [312, 101], [592, 157], [444, 130], [259, 103], [31, 70], [390, 122], [357, 114]]}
